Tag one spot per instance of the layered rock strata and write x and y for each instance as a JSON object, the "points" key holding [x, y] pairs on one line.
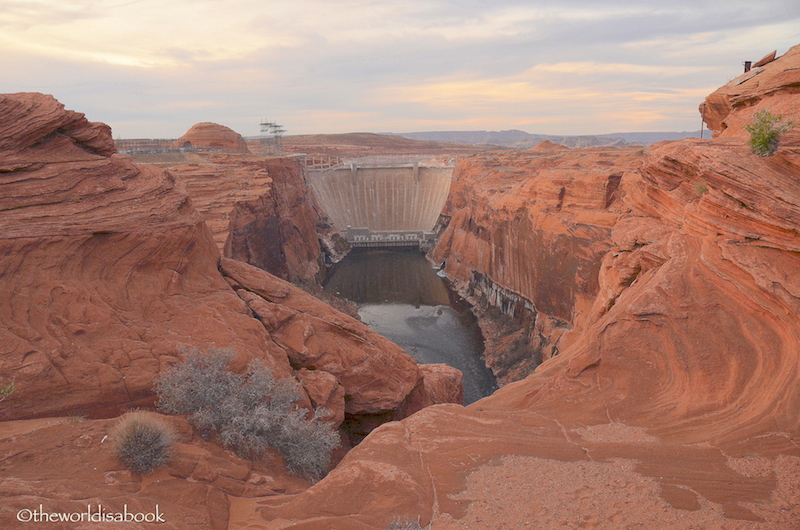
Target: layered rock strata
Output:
{"points": [[772, 85], [672, 402], [260, 211], [525, 241], [108, 272]]}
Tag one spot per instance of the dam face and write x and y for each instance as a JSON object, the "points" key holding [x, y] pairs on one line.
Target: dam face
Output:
{"points": [[382, 203]]}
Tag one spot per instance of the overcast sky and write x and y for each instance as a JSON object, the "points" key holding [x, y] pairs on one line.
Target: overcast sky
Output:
{"points": [[153, 68]]}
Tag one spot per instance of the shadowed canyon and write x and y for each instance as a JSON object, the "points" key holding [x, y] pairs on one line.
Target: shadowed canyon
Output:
{"points": [[640, 307]]}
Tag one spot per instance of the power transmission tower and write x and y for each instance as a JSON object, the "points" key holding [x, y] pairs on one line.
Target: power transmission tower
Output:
{"points": [[271, 134]]}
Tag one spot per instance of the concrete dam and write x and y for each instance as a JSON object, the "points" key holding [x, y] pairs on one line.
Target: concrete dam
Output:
{"points": [[381, 203]]}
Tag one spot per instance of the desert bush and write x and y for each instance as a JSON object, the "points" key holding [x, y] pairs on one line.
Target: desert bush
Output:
{"points": [[765, 132], [199, 387], [143, 441], [404, 524], [6, 391], [700, 189], [251, 412]]}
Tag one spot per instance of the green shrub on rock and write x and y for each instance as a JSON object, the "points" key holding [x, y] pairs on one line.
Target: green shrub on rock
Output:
{"points": [[766, 131], [6, 391]]}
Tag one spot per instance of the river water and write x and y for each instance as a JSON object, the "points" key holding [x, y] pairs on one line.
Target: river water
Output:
{"points": [[401, 297]]}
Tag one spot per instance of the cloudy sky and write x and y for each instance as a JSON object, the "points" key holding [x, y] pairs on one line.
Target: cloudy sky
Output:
{"points": [[153, 68]]}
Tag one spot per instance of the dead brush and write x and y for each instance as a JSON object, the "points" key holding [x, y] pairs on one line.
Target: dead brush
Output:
{"points": [[143, 441]]}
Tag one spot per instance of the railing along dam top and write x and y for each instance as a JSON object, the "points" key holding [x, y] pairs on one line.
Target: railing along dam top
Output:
{"points": [[323, 164]]}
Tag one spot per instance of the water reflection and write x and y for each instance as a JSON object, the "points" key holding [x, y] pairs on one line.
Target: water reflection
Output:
{"points": [[401, 297]]}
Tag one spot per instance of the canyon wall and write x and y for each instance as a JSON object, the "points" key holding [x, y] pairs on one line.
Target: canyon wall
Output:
{"points": [[526, 237], [672, 402], [667, 282], [259, 211], [108, 273]]}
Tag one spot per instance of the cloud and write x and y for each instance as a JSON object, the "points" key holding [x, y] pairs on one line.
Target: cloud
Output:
{"points": [[154, 68]]}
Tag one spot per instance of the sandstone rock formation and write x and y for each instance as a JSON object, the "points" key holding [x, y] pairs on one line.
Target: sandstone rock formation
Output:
{"points": [[547, 145], [259, 211], [672, 402], [525, 241], [107, 269], [108, 272], [666, 278], [67, 465], [773, 86], [209, 136]]}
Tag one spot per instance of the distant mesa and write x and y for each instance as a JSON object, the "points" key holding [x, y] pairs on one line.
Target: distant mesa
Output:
{"points": [[516, 139], [209, 136]]}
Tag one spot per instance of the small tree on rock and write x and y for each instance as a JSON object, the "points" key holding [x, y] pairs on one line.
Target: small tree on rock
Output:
{"points": [[766, 131]]}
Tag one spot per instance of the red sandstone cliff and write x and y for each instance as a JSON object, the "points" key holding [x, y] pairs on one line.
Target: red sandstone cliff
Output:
{"points": [[108, 271], [672, 402], [772, 86], [526, 237], [258, 209]]}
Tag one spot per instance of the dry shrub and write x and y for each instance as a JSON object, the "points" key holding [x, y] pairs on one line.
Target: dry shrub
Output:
{"points": [[251, 412], [399, 523], [143, 441]]}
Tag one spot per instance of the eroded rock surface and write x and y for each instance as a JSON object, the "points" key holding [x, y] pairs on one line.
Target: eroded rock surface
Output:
{"points": [[108, 273], [526, 237], [107, 270], [673, 398], [672, 279], [258, 209], [772, 85], [69, 465]]}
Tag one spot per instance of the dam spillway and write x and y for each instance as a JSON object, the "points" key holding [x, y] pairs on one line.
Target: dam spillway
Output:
{"points": [[380, 201]]}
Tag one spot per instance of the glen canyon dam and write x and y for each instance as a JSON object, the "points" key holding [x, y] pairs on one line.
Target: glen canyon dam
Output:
{"points": [[374, 201]]}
